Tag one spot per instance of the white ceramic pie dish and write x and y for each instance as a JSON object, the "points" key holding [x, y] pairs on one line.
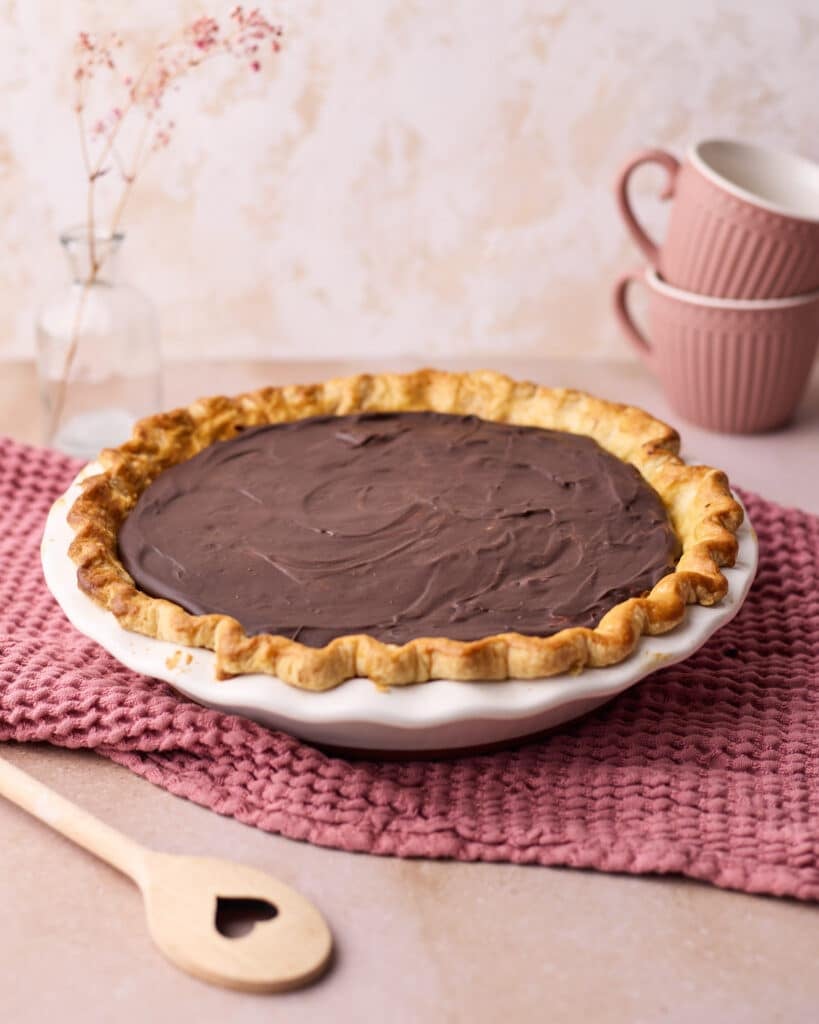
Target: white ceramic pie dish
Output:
{"points": [[443, 715]]}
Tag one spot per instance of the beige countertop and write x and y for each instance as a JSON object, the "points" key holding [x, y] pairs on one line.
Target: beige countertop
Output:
{"points": [[416, 940]]}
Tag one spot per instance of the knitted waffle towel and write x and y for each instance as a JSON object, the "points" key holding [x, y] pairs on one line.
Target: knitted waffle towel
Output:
{"points": [[708, 768]]}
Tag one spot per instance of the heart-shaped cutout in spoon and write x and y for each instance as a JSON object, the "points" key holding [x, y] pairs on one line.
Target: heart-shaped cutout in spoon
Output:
{"points": [[237, 915], [281, 949], [271, 938]]}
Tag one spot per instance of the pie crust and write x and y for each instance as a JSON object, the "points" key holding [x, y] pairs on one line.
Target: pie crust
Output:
{"points": [[697, 499]]}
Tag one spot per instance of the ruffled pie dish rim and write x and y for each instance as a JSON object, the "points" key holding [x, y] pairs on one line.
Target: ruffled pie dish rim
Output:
{"points": [[697, 499]]}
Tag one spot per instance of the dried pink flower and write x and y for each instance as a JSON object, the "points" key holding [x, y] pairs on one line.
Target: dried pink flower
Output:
{"points": [[242, 37], [142, 96]]}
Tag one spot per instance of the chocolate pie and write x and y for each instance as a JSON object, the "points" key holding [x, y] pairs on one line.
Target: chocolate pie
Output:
{"points": [[404, 528]]}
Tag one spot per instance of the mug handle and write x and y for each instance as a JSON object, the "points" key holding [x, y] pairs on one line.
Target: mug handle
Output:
{"points": [[621, 310], [672, 168]]}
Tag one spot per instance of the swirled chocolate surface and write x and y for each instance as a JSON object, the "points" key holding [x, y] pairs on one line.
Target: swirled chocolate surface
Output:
{"points": [[399, 525]]}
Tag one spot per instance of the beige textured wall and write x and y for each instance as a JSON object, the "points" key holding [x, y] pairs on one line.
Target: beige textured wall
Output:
{"points": [[416, 177]]}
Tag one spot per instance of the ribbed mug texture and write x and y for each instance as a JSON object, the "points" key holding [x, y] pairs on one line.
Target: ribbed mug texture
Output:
{"points": [[720, 242], [736, 370], [720, 245]]}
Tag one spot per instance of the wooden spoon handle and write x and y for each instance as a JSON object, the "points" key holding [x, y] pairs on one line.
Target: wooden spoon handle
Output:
{"points": [[72, 821]]}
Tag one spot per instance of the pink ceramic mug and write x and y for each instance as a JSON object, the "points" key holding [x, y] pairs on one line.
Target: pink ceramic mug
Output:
{"points": [[744, 222], [729, 365]]}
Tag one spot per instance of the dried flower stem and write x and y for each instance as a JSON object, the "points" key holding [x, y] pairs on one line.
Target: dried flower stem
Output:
{"points": [[172, 60]]}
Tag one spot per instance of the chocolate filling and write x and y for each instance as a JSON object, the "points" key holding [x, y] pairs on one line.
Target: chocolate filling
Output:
{"points": [[399, 525]]}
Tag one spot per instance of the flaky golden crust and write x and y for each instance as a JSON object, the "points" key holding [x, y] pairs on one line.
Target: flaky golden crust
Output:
{"points": [[698, 500]]}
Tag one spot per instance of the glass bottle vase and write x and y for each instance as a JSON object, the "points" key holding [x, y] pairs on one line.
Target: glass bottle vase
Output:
{"points": [[97, 351]]}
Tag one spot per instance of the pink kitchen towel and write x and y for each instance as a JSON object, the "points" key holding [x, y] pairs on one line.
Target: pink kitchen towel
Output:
{"points": [[707, 769]]}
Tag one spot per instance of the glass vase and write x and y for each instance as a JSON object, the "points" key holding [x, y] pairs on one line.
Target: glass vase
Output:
{"points": [[97, 350]]}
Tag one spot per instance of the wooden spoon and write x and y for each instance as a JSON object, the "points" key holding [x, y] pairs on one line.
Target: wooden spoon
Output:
{"points": [[189, 901]]}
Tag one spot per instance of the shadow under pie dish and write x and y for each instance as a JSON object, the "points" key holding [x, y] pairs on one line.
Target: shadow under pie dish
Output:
{"points": [[405, 528]]}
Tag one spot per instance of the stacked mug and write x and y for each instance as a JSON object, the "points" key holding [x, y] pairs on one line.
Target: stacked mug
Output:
{"points": [[733, 292]]}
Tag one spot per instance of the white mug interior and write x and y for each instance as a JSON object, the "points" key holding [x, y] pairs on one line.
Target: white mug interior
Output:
{"points": [[781, 182]]}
